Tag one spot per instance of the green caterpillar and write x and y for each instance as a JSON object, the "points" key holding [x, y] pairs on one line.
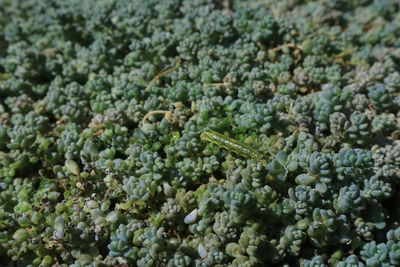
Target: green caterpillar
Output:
{"points": [[231, 145]]}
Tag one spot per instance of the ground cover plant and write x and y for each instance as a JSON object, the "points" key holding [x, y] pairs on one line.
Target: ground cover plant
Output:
{"points": [[199, 133]]}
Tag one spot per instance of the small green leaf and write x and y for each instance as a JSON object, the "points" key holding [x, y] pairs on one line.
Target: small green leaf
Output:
{"points": [[281, 157], [5, 76], [72, 167], [112, 217], [275, 168], [20, 235], [320, 187], [59, 223], [281, 177], [304, 179], [292, 166]]}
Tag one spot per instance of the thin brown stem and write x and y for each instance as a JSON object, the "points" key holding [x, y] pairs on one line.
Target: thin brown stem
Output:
{"points": [[281, 47], [165, 112], [163, 73]]}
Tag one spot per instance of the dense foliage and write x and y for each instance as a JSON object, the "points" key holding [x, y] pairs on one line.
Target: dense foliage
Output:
{"points": [[199, 133]]}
